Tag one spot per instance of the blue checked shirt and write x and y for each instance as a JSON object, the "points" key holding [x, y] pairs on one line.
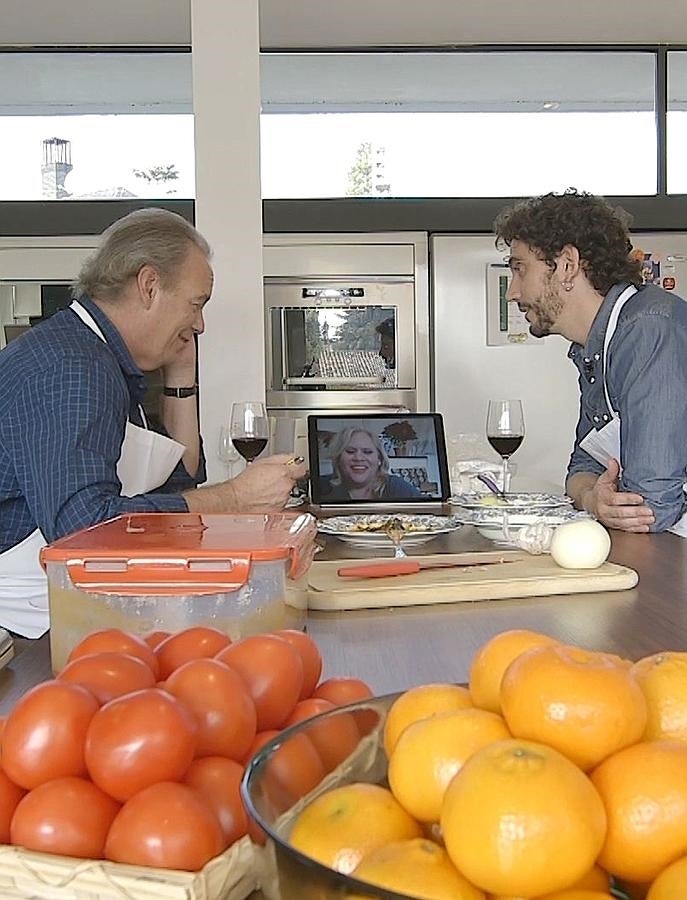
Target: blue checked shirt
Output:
{"points": [[65, 398]]}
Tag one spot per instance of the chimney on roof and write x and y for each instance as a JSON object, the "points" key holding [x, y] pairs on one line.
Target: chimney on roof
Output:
{"points": [[57, 164]]}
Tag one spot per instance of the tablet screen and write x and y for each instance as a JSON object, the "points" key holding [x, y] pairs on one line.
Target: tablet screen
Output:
{"points": [[377, 458]]}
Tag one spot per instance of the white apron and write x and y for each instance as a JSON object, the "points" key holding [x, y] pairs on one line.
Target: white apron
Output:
{"points": [[604, 445], [146, 461]]}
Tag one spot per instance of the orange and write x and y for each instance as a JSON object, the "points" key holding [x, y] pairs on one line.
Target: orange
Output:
{"points": [[421, 703], [428, 754], [419, 868], [671, 884], [663, 680], [520, 818], [345, 824], [584, 704], [594, 880], [493, 658], [644, 790]]}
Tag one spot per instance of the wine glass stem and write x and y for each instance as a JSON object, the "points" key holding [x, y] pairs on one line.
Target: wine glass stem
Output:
{"points": [[505, 474]]}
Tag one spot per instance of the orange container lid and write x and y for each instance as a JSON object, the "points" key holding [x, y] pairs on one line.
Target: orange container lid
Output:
{"points": [[171, 553]]}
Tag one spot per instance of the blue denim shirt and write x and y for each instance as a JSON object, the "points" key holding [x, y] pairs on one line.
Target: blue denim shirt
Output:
{"points": [[65, 397], [647, 386]]}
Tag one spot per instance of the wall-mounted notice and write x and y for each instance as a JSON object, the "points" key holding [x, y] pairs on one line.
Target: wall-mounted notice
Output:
{"points": [[506, 325]]}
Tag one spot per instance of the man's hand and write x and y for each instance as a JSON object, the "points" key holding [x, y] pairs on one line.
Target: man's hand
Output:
{"points": [[262, 487], [182, 372], [614, 508]]}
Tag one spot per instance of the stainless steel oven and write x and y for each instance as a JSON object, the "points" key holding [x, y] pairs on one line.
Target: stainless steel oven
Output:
{"points": [[340, 343]]}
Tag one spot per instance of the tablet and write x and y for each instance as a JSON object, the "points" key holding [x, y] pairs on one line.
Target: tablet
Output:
{"points": [[377, 458]]}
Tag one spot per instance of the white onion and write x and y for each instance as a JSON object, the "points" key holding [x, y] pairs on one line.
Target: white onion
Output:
{"points": [[580, 545]]}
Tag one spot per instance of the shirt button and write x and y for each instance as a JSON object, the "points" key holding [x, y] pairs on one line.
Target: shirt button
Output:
{"points": [[605, 417], [596, 418], [586, 359], [597, 356], [592, 379]]}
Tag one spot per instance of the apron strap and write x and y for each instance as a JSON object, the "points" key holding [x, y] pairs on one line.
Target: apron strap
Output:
{"points": [[629, 292]]}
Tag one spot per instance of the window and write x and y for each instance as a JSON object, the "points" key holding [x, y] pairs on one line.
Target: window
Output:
{"points": [[96, 126], [452, 124], [677, 123]]}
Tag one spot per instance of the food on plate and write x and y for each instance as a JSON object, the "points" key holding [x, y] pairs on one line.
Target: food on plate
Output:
{"points": [[584, 544]]}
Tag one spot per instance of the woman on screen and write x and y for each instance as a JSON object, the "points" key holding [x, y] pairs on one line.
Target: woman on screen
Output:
{"points": [[361, 470]]}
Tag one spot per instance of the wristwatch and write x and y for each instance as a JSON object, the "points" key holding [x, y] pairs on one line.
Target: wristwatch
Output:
{"points": [[180, 392]]}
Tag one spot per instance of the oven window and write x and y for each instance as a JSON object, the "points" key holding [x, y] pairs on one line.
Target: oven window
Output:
{"points": [[351, 347]]}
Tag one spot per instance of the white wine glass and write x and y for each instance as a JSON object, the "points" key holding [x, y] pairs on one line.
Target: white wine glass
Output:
{"points": [[226, 450], [505, 430], [249, 428]]}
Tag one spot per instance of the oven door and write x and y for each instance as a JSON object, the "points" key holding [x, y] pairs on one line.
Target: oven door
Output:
{"points": [[352, 339]]}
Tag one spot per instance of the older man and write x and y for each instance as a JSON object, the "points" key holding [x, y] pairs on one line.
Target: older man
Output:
{"points": [[75, 446], [573, 275]]}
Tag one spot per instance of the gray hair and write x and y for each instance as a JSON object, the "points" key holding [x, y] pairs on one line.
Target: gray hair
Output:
{"points": [[146, 237]]}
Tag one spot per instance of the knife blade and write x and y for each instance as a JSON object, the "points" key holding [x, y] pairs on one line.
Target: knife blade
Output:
{"points": [[411, 566]]}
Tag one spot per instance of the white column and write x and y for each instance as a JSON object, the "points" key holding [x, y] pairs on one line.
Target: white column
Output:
{"points": [[226, 101]]}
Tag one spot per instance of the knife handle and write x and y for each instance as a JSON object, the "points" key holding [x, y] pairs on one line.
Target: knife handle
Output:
{"points": [[381, 570]]}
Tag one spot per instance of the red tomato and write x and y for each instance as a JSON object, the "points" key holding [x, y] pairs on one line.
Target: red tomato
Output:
{"points": [[310, 657], [334, 738], [67, 816], [166, 825], [342, 691], [291, 772], [139, 739], [272, 670], [155, 638], [113, 640], [193, 643], [10, 795], [45, 732], [261, 738], [219, 699], [108, 675], [219, 781]]}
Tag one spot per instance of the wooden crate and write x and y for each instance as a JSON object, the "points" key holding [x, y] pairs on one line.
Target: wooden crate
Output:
{"points": [[41, 876]]}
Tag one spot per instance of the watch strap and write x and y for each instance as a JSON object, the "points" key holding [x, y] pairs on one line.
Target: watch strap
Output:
{"points": [[180, 392]]}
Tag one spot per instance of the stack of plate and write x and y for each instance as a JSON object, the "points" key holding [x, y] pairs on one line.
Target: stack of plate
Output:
{"points": [[501, 520]]}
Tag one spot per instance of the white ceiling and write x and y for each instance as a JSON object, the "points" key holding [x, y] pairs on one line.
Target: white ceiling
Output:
{"points": [[327, 23]]}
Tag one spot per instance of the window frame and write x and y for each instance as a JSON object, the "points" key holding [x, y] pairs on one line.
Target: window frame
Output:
{"points": [[657, 212]]}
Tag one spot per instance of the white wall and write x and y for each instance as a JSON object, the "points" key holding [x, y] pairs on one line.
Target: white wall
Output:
{"points": [[226, 98], [469, 373]]}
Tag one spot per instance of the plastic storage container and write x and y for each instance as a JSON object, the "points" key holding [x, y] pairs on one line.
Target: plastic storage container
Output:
{"points": [[169, 571]]}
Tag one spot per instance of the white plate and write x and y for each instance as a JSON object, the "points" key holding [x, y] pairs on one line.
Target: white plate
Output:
{"points": [[505, 529], [368, 530], [516, 501]]}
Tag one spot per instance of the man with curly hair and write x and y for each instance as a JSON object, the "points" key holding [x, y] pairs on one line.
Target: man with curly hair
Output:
{"points": [[574, 275]]}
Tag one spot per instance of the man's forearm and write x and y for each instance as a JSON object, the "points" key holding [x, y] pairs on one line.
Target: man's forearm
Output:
{"points": [[217, 498], [180, 418], [579, 487]]}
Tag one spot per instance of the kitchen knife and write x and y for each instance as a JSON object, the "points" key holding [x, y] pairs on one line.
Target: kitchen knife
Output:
{"points": [[411, 565]]}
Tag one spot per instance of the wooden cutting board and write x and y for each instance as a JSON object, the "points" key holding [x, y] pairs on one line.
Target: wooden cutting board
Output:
{"points": [[532, 576]]}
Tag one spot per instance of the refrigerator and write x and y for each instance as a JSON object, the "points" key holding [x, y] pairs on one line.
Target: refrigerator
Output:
{"points": [[480, 356]]}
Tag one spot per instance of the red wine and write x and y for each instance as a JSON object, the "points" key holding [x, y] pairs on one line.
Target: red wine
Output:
{"points": [[505, 446], [250, 447]]}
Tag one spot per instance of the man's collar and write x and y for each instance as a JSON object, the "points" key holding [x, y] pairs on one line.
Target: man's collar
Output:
{"points": [[114, 339], [595, 338]]}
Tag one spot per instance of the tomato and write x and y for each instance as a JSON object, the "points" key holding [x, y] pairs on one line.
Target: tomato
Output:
{"points": [[310, 657], [261, 738], [45, 732], [291, 772], [334, 738], [108, 675], [342, 691], [167, 825], [138, 739], [219, 699], [272, 670], [193, 643], [10, 795], [68, 816], [219, 781], [155, 638], [113, 640]]}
